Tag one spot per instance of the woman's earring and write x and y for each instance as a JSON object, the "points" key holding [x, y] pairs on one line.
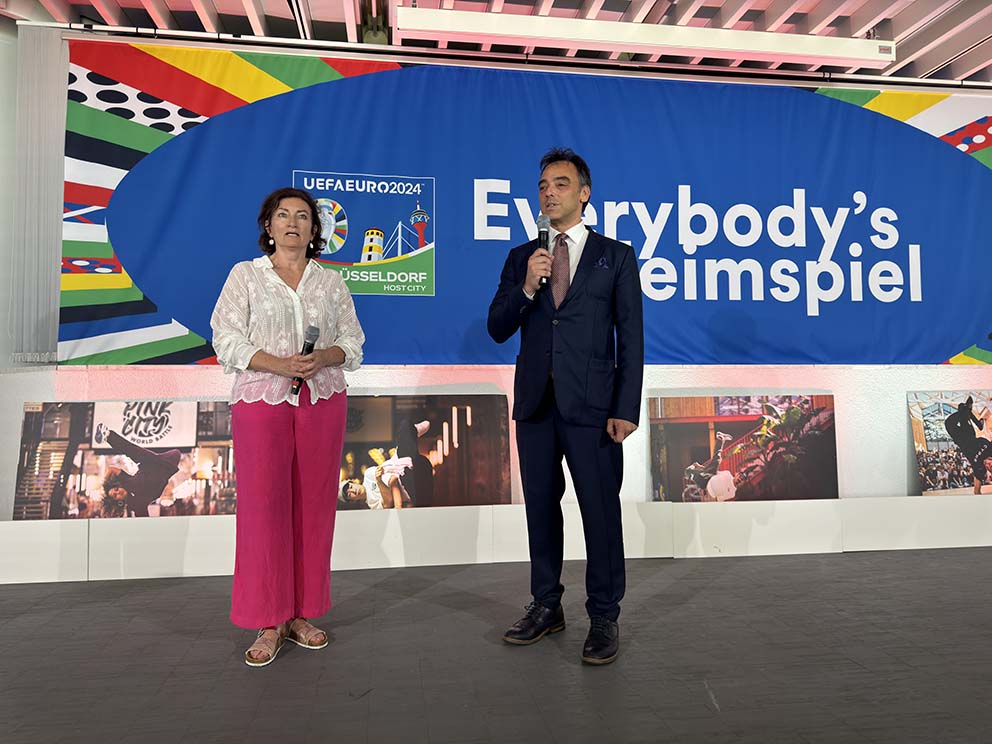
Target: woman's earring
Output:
{"points": [[271, 241], [310, 246]]}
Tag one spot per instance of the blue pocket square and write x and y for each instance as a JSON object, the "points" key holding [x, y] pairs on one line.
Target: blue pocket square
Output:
{"points": [[602, 263]]}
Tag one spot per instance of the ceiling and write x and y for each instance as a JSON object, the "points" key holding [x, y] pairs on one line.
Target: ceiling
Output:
{"points": [[935, 39]]}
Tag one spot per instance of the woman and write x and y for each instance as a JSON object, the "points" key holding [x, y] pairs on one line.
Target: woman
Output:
{"points": [[287, 448], [130, 495]]}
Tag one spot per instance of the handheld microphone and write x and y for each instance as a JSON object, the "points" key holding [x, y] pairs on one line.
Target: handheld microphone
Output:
{"points": [[543, 225], [310, 337]]}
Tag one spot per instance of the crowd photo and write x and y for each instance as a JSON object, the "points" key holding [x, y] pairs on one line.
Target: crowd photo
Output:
{"points": [[953, 440]]}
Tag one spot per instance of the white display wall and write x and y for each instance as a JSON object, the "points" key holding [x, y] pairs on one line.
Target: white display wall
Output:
{"points": [[875, 464]]}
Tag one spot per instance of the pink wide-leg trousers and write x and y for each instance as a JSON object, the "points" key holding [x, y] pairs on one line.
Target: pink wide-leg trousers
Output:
{"points": [[288, 461]]}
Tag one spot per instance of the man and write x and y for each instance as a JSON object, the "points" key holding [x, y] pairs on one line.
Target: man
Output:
{"points": [[577, 394], [975, 448]]}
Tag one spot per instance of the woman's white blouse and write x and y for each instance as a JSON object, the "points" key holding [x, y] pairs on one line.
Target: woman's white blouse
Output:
{"points": [[257, 311]]}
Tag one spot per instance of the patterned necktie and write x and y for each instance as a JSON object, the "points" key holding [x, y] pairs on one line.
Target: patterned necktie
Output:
{"points": [[559, 269]]}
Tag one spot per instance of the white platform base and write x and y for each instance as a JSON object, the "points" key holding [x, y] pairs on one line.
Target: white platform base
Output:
{"points": [[43, 551], [204, 546]]}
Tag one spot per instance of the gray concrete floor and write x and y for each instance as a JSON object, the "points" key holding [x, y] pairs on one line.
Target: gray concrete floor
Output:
{"points": [[826, 649]]}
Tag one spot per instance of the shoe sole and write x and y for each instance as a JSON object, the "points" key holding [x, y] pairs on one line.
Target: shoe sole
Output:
{"points": [[257, 664], [599, 662], [304, 645], [549, 631]]}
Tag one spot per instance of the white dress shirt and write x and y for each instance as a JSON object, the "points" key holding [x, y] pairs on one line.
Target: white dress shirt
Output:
{"points": [[576, 236], [258, 311]]}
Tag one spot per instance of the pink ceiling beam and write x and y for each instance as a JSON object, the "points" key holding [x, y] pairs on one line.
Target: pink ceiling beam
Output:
{"points": [[541, 8], [872, 13], [939, 31], [656, 15], [642, 11], [820, 18], [867, 17], [256, 17], [731, 12], [826, 13], [352, 18], [916, 16], [685, 11], [773, 18], [495, 6], [300, 10], [727, 17], [59, 10], [910, 19], [975, 64], [207, 13], [110, 11], [589, 10], [447, 5], [159, 13], [963, 41]]}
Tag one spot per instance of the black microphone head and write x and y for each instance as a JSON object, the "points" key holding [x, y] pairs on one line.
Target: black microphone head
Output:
{"points": [[311, 335], [543, 223]]}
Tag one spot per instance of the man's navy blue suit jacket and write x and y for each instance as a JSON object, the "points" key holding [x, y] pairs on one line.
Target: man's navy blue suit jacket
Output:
{"points": [[592, 345]]}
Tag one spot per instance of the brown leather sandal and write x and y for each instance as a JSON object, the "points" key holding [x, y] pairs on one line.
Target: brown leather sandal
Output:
{"points": [[268, 642], [302, 633]]}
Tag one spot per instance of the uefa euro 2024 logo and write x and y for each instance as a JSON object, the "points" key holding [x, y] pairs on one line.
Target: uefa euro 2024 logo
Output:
{"points": [[379, 230]]}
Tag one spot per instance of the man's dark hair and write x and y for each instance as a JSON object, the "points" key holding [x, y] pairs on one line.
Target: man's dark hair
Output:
{"points": [[568, 155]]}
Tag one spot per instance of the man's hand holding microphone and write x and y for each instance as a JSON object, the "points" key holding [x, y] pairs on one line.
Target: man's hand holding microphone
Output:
{"points": [[539, 263]]}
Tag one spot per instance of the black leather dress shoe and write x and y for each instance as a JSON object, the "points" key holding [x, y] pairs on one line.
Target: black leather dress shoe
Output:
{"points": [[603, 642], [537, 623]]}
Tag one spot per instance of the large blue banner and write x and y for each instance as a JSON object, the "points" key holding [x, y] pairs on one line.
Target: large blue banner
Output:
{"points": [[772, 224]]}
